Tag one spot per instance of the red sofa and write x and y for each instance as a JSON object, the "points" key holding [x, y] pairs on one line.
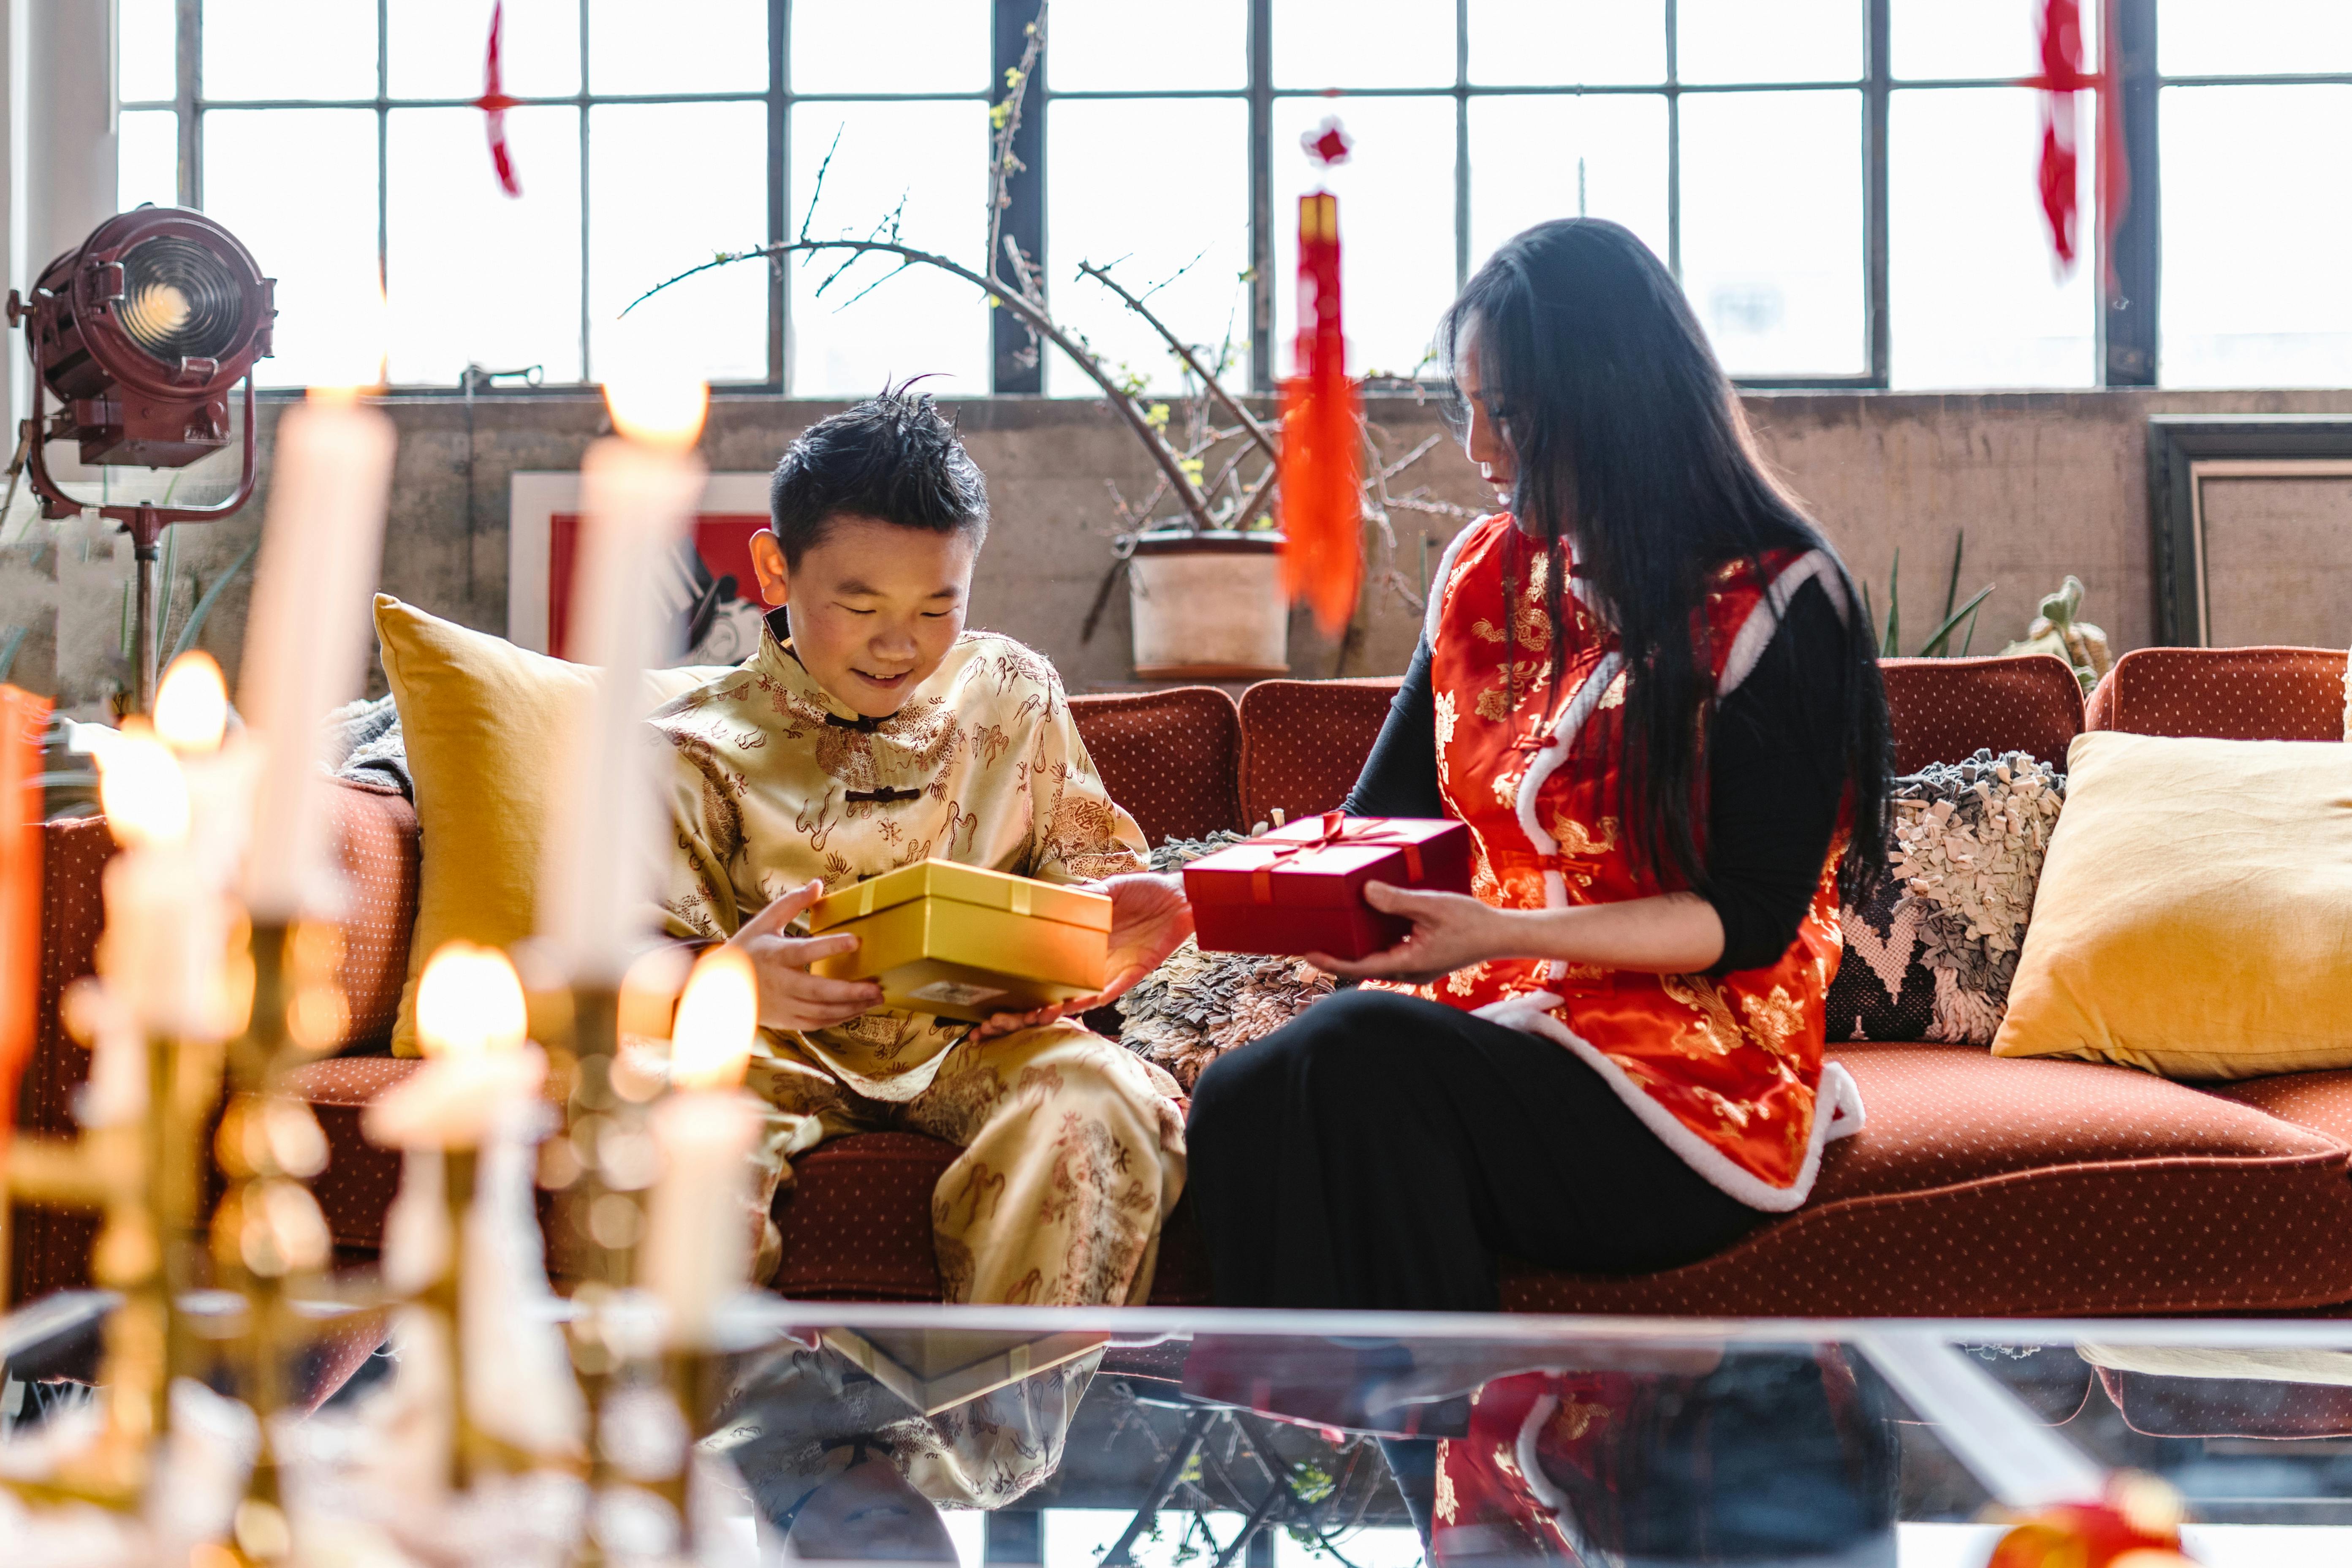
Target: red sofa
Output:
{"points": [[1978, 1187]]}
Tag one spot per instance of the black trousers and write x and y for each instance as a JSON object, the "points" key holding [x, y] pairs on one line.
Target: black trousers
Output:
{"points": [[1379, 1152]]}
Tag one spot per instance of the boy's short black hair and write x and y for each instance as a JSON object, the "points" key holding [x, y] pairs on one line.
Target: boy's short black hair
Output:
{"points": [[895, 458]]}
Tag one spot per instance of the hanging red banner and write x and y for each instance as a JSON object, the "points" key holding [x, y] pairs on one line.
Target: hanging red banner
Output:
{"points": [[2061, 79], [494, 104]]}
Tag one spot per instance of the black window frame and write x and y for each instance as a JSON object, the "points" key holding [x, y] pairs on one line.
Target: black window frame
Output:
{"points": [[2127, 327]]}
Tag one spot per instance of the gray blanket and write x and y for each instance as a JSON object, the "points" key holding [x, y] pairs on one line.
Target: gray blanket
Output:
{"points": [[364, 745]]}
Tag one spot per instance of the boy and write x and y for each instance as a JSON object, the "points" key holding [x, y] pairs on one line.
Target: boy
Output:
{"points": [[871, 731]]}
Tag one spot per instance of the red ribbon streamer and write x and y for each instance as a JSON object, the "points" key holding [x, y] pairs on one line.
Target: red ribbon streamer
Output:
{"points": [[2061, 78], [1337, 831], [494, 104], [1322, 495], [23, 717]]}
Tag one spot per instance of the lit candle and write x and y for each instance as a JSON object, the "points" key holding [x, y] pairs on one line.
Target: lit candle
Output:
{"points": [[638, 490], [697, 1246], [470, 1024], [192, 719], [166, 926], [307, 637]]}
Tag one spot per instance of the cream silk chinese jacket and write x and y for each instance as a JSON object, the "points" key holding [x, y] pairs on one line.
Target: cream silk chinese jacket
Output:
{"points": [[775, 782]]}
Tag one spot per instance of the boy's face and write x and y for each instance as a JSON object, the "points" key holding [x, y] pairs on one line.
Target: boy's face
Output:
{"points": [[875, 606]]}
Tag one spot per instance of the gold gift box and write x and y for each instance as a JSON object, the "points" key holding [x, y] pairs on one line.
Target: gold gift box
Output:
{"points": [[962, 942]]}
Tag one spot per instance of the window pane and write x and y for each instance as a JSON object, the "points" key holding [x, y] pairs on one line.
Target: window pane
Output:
{"points": [[1790, 40], [1543, 43], [2214, 38], [1772, 246], [1109, 46], [1935, 40], [1363, 43], [436, 49], [1975, 299], [1193, 268], [445, 213], [146, 51], [1532, 159], [289, 48], [147, 158], [685, 45], [911, 46], [934, 158], [669, 185], [297, 186], [1396, 224], [2253, 267]]}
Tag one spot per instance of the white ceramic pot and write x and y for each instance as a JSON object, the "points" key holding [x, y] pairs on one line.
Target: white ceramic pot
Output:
{"points": [[1208, 606]]}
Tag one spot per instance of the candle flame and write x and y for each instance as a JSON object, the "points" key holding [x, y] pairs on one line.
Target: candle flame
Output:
{"points": [[658, 405], [470, 1003], [192, 705], [144, 795], [717, 1020]]}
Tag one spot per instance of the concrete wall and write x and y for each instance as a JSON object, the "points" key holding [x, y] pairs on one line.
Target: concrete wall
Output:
{"points": [[2042, 484]]}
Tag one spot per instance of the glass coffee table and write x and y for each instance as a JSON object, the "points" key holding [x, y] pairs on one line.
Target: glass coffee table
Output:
{"points": [[1159, 1438]]}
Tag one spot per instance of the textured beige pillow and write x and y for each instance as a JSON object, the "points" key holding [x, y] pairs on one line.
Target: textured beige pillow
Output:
{"points": [[481, 718], [2195, 912]]}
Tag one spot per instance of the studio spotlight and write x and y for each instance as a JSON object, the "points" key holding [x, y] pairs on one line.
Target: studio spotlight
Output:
{"points": [[140, 333]]}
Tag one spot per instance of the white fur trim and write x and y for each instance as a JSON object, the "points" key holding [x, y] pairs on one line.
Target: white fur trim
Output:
{"points": [[1837, 1110], [1564, 730], [1437, 584], [1531, 1468], [1756, 632]]}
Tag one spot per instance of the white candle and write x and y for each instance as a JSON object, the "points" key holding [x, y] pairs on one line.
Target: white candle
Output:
{"points": [[638, 490], [166, 925], [698, 1243], [471, 1023], [306, 638], [192, 719]]}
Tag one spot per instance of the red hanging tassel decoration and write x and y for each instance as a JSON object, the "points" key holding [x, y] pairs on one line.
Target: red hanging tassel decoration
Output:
{"points": [[494, 104], [2061, 78], [1322, 494]]}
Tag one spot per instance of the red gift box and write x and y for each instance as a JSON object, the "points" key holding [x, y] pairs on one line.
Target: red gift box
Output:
{"points": [[1300, 889]]}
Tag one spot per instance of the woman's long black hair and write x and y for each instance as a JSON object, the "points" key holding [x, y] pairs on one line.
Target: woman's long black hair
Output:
{"points": [[1631, 446]]}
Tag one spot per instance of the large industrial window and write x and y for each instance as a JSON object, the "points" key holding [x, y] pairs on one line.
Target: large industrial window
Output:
{"points": [[1846, 188]]}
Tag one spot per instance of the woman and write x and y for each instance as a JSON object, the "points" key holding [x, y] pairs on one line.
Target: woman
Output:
{"points": [[1610, 1058]]}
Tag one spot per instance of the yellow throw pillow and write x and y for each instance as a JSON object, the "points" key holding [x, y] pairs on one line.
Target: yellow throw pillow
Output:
{"points": [[481, 718], [2195, 911]]}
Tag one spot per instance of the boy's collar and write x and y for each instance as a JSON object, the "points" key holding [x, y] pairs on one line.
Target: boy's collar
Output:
{"points": [[776, 650]]}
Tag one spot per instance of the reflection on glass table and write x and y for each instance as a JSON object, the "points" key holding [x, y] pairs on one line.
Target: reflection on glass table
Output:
{"points": [[1139, 1439]]}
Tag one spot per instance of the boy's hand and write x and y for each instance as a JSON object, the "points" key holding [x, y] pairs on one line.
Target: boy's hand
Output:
{"points": [[1150, 918], [790, 996]]}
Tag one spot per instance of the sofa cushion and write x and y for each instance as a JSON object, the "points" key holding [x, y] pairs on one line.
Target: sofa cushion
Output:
{"points": [[377, 845], [1303, 742], [2229, 693], [2228, 1407], [482, 719], [856, 1226], [359, 1179], [2190, 917], [1979, 1186], [1943, 709], [1170, 757]]}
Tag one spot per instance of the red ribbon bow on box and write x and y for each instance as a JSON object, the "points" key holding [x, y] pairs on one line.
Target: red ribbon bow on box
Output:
{"points": [[1337, 833]]}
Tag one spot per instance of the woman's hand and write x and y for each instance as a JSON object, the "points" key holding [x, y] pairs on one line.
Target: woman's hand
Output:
{"points": [[1150, 918], [1450, 932], [790, 996]]}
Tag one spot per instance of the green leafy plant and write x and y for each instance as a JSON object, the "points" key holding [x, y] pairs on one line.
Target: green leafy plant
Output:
{"points": [[1957, 617]]}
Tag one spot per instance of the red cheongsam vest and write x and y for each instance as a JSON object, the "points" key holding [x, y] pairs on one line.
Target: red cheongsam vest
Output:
{"points": [[1728, 1072]]}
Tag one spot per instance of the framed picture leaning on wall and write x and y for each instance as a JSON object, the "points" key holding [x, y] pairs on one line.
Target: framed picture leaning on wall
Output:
{"points": [[709, 587], [2251, 521]]}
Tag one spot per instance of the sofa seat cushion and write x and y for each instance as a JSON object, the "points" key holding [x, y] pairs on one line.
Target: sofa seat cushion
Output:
{"points": [[856, 1226], [1987, 1187], [2321, 1102], [359, 1179]]}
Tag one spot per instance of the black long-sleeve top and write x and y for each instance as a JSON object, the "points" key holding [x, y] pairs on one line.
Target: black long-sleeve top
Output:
{"points": [[1776, 773]]}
